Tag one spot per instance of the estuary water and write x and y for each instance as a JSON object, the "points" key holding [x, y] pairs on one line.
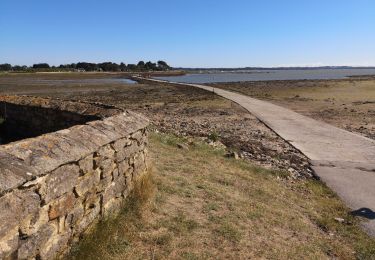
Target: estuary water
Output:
{"points": [[82, 81], [263, 75]]}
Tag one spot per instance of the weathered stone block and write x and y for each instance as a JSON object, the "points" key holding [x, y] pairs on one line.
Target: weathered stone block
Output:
{"points": [[87, 164], [120, 186], [87, 183], [108, 194], [115, 174], [30, 246], [87, 220], [92, 200], [55, 246], [16, 207], [104, 183], [61, 206], [105, 152], [13, 172], [107, 166], [28, 228], [139, 164], [112, 207], [9, 244], [121, 143], [124, 167], [115, 190], [128, 151], [138, 136], [75, 216], [60, 181]]}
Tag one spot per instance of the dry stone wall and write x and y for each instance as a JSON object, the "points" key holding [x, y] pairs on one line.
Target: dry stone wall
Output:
{"points": [[27, 116], [55, 186]]}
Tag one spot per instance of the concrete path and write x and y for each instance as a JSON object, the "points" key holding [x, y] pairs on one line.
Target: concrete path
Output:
{"points": [[343, 160]]}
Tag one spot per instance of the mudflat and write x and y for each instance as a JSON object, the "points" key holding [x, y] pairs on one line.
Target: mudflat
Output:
{"points": [[348, 103], [180, 110]]}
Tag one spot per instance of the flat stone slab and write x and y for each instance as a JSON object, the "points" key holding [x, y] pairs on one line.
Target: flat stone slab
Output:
{"points": [[345, 161]]}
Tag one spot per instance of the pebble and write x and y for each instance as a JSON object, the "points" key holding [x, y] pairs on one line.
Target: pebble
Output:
{"points": [[183, 146], [340, 220]]}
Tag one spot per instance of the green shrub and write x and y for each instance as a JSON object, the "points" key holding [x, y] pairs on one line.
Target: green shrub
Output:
{"points": [[214, 137]]}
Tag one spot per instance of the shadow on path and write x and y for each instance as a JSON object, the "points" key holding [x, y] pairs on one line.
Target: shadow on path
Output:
{"points": [[364, 212]]}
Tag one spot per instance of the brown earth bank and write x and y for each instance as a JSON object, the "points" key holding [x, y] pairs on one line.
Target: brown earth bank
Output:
{"points": [[347, 103], [183, 111]]}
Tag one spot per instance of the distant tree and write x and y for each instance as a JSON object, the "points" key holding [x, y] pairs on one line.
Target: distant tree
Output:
{"points": [[131, 67], [86, 66], [5, 67], [122, 66], [150, 66], [104, 66], [109, 66], [19, 68], [41, 66], [141, 65], [163, 65]]}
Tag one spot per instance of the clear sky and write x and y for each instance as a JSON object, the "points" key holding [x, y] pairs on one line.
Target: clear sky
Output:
{"points": [[190, 33]]}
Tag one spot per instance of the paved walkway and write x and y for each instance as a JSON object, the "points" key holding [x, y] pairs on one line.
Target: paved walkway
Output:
{"points": [[343, 160]]}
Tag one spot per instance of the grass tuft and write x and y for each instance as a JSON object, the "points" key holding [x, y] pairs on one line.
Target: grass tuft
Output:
{"points": [[214, 137], [113, 236]]}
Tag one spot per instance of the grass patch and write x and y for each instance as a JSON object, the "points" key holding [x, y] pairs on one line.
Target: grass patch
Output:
{"points": [[214, 137], [114, 236], [229, 231], [208, 206]]}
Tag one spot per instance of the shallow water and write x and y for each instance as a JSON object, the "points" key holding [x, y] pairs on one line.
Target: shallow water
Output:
{"points": [[262, 75], [83, 81]]}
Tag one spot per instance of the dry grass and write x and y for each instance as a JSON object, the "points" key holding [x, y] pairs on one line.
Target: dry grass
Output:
{"points": [[114, 235], [209, 206]]}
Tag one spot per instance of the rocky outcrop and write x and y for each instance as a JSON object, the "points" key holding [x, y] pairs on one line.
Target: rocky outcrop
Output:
{"points": [[55, 186]]}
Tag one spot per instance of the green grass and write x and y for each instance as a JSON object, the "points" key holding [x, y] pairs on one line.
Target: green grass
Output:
{"points": [[208, 206]]}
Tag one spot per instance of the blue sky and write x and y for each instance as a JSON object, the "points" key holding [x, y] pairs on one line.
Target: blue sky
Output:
{"points": [[192, 33]]}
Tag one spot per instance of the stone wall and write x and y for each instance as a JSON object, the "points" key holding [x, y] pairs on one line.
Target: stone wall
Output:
{"points": [[32, 116], [53, 187]]}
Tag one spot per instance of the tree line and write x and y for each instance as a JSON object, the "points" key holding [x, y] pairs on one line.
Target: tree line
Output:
{"points": [[87, 66]]}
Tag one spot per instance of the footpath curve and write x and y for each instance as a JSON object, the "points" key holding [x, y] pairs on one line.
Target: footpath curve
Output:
{"points": [[345, 161]]}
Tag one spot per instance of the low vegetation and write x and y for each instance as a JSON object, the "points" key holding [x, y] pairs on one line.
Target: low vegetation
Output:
{"points": [[87, 66], [198, 204]]}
